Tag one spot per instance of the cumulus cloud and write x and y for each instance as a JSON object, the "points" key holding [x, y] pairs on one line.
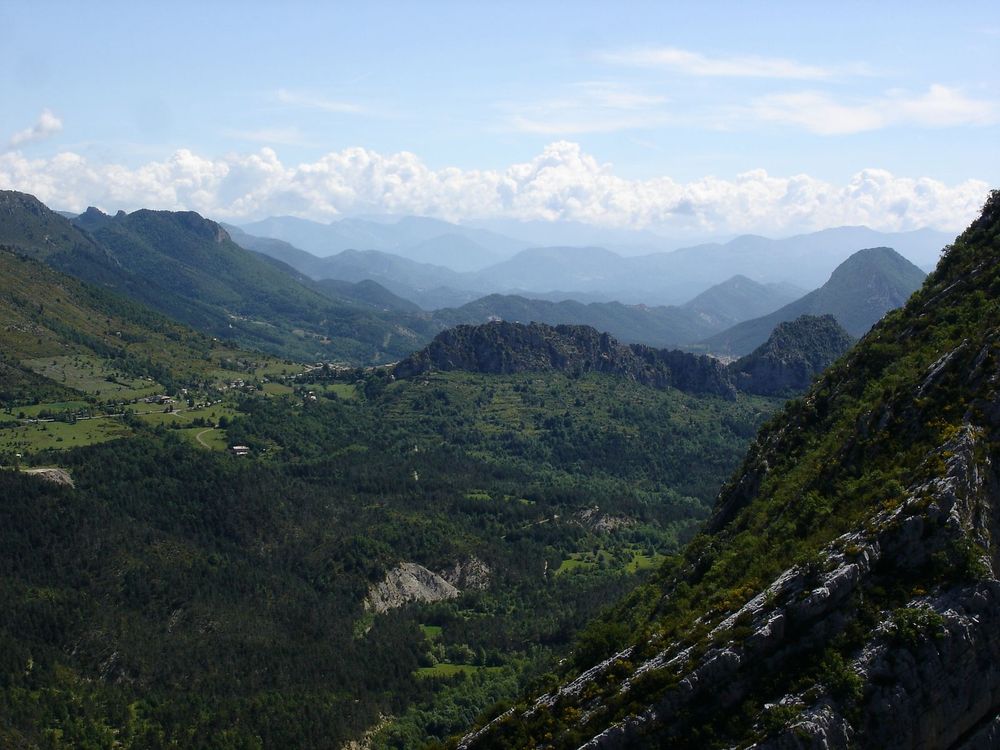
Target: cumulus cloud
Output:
{"points": [[747, 66], [940, 106], [561, 183], [46, 126]]}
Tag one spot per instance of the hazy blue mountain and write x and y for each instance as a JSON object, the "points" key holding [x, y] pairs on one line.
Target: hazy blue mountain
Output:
{"points": [[804, 260], [543, 268], [587, 273], [739, 298], [859, 292], [367, 293], [574, 233], [298, 259], [416, 238]]}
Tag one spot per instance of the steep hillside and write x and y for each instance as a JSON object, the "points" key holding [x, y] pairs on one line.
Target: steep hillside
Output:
{"points": [[511, 347], [859, 292], [48, 316], [794, 354], [845, 592]]}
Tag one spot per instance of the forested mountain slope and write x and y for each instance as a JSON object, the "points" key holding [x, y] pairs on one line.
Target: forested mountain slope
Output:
{"points": [[187, 268], [845, 592]]}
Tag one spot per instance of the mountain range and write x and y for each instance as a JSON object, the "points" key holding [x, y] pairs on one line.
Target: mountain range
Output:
{"points": [[560, 272], [514, 520], [188, 268], [416, 238]]}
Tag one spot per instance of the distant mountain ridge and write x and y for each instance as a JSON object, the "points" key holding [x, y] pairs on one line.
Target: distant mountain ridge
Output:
{"points": [[416, 238], [804, 261], [858, 293], [722, 306]]}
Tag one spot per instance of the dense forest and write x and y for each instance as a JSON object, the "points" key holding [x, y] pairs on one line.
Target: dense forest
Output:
{"points": [[176, 596]]}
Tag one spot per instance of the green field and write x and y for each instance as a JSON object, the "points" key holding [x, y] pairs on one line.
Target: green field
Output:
{"points": [[91, 374], [277, 389], [184, 416], [343, 390], [581, 561], [213, 439], [54, 407], [60, 435]]}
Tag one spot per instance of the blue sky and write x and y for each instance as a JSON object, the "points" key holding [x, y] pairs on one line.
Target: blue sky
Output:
{"points": [[639, 115]]}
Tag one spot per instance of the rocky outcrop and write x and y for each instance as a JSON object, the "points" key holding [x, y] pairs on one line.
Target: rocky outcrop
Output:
{"points": [[409, 582], [794, 354], [406, 583], [504, 348]]}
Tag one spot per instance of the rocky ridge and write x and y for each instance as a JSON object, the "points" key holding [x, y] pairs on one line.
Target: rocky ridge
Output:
{"points": [[503, 348]]}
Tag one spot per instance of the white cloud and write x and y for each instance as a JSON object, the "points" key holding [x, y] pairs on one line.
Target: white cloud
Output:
{"points": [[309, 100], [820, 113], [46, 126], [748, 66], [562, 182]]}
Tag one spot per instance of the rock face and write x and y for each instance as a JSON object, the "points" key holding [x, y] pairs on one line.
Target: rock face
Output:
{"points": [[845, 593], [408, 582], [504, 348], [472, 573]]}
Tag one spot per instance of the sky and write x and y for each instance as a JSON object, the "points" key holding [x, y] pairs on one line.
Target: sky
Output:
{"points": [[688, 119]]}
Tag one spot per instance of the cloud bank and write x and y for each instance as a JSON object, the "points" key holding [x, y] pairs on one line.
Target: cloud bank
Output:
{"points": [[561, 183]]}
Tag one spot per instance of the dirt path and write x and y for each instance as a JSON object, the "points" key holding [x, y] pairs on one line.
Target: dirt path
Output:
{"points": [[198, 437]]}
